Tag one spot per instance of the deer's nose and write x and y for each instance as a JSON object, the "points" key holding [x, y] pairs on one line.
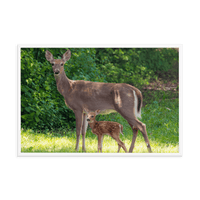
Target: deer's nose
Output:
{"points": [[88, 120], [57, 71]]}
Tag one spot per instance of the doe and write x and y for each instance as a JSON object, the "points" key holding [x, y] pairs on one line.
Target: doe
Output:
{"points": [[108, 97], [101, 128]]}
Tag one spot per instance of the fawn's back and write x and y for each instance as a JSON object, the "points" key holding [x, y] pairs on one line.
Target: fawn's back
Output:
{"points": [[107, 127]]}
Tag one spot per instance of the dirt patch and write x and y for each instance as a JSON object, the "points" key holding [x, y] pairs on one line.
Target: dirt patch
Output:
{"points": [[165, 87], [161, 85]]}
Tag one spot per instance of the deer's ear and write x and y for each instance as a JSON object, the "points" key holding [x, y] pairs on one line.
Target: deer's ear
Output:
{"points": [[66, 56], [97, 112], [49, 56]]}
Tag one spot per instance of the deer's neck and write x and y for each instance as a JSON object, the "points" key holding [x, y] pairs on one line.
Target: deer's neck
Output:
{"points": [[64, 85], [92, 125]]}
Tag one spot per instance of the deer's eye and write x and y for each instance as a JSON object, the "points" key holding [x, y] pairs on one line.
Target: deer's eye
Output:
{"points": [[92, 116], [61, 64], [52, 64]]}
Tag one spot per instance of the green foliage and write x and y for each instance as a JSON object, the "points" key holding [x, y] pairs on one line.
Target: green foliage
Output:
{"points": [[135, 66], [42, 106], [158, 59]]}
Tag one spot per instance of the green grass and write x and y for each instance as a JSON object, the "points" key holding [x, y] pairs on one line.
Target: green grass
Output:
{"points": [[162, 123]]}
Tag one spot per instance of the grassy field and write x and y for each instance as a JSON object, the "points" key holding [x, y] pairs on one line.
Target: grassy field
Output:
{"points": [[162, 123]]}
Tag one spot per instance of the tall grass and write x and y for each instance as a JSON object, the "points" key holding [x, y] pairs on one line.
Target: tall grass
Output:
{"points": [[161, 119]]}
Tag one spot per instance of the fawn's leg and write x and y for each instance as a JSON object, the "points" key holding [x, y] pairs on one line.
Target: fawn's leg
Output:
{"points": [[120, 143], [99, 143], [123, 146], [118, 148]]}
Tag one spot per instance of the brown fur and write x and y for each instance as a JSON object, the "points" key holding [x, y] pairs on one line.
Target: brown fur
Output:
{"points": [[108, 97], [101, 128]]}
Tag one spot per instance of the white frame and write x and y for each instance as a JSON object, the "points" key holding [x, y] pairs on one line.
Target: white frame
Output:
{"points": [[181, 68]]}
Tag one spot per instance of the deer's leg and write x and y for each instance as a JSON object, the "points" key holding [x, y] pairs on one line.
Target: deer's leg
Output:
{"points": [[144, 133], [142, 127], [135, 132], [79, 117], [134, 123], [84, 128]]}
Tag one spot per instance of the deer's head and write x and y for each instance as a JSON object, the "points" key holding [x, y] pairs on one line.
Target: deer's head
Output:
{"points": [[91, 115], [58, 64]]}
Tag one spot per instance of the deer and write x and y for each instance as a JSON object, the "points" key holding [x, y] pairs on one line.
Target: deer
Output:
{"points": [[107, 97], [101, 128]]}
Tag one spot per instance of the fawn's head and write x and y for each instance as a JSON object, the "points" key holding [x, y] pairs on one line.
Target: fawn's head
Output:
{"points": [[58, 64], [91, 115]]}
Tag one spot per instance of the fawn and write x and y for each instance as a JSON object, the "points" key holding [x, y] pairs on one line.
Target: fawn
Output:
{"points": [[101, 128]]}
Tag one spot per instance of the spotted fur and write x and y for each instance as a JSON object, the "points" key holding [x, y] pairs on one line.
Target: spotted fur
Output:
{"points": [[101, 128]]}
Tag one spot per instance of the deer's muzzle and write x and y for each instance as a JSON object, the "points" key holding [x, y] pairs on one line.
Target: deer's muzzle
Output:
{"points": [[56, 71]]}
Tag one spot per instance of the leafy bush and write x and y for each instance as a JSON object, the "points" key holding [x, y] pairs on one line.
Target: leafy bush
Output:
{"points": [[135, 66], [42, 106]]}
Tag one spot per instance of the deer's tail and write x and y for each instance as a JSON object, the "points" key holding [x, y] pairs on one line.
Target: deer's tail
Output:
{"points": [[137, 103], [121, 129]]}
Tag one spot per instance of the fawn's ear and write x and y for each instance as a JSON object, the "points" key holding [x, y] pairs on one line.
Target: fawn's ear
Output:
{"points": [[49, 56], [66, 56], [97, 112]]}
